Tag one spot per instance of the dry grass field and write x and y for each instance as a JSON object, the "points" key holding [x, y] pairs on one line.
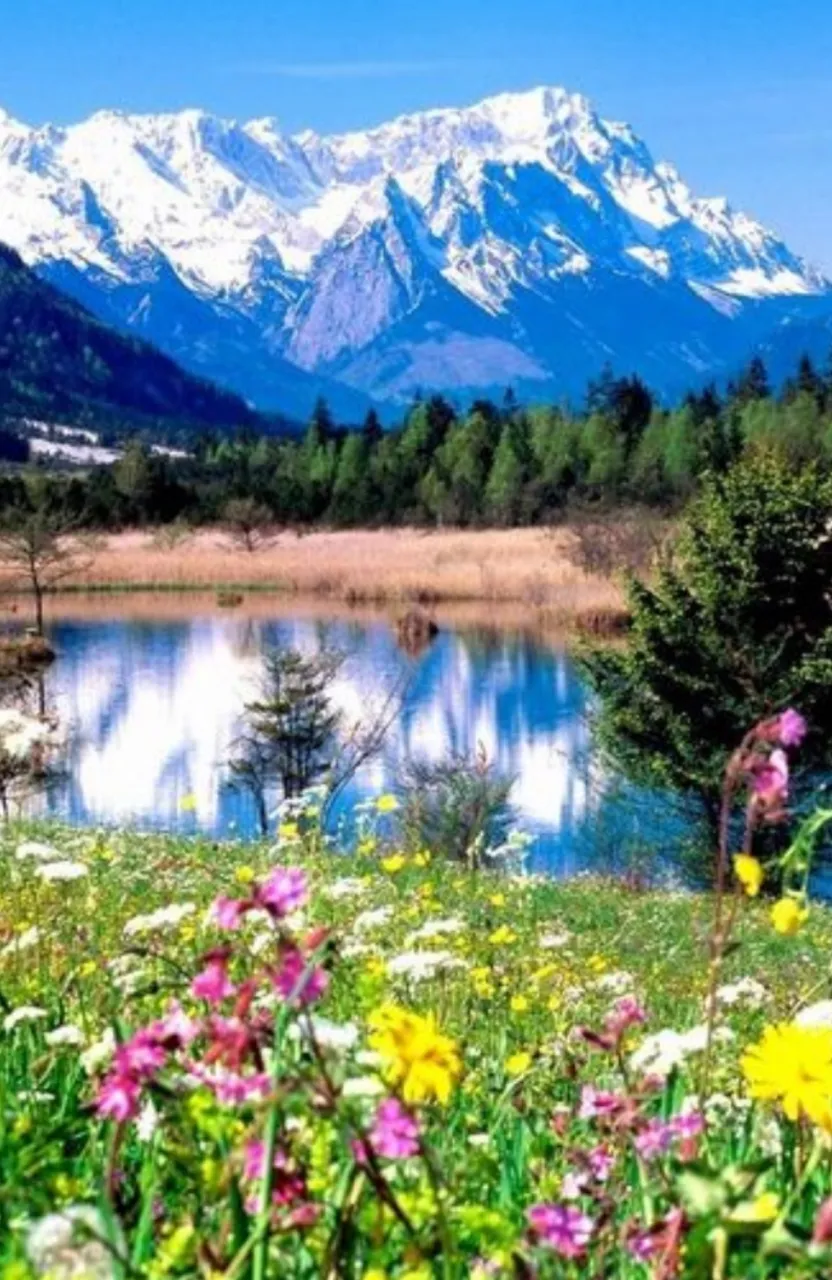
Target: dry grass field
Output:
{"points": [[535, 570]]}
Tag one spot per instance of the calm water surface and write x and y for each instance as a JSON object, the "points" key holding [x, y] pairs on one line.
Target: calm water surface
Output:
{"points": [[152, 708]]}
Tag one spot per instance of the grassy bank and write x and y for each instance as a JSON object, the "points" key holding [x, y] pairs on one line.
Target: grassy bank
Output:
{"points": [[497, 1116], [535, 568]]}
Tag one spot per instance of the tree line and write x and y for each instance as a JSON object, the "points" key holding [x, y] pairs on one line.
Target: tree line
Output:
{"points": [[496, 465]]}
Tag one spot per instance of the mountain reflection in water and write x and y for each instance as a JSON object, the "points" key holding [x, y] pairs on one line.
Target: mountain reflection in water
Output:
{"points": [[152, 708]]}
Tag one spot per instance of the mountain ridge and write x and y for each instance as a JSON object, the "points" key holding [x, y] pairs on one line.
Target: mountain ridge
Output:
{"points": [[524, 239]]}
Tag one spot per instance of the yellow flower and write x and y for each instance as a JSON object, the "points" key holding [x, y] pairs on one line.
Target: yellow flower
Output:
{"points": [[374, 1273], [764, 1209], [502, 935], [244, 875], [375, 967], [387, 804], [497, 899], [188, 803], [553, 1003], [749, 872], [422, 859], [416, 1056], [519, 1004], [597, 963], [792, 1065], [367, 846], [288, 831], [518, 1063], [788, 915], [394, 863]]}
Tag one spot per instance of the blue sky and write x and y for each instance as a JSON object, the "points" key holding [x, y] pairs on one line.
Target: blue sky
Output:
{"points": [[737, 93]]}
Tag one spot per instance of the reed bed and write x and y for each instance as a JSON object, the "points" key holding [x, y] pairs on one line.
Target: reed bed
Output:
{"points": [[530, 567]]}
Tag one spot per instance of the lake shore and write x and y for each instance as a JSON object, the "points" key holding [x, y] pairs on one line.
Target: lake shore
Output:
{"points": [[532, 568]]}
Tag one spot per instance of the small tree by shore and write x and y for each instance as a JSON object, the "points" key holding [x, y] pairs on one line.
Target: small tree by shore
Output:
{"points": [[39, 548], [247, 522]]}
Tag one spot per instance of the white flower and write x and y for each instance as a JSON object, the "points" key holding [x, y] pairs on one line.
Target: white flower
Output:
{"points": [[159, 921], [340, 1036], [745, 991], [362, 1087], [615, 984], [479, 1139], [373, 919], [59, 1245], [99, 1052], [433, 928], [351, 950], [24, 1013], [659, 1054], [816, 1015], [22, 942], [147, 1121], [21, 733], [417, 965], [64, 870], [40, 852], [551, 941], [344, 887], [67, 1034]]}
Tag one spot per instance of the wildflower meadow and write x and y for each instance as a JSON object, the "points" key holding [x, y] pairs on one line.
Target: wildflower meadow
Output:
{"points": [[276, 1060]]}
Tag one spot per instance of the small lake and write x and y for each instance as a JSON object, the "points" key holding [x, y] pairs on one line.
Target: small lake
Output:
{"points": [[151, 692]]}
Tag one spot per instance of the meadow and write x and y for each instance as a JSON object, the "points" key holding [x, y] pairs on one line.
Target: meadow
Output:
{"points": [[271, 1060]]}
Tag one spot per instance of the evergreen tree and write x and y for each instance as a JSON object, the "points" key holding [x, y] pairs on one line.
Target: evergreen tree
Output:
{"points": [[737, 627]]}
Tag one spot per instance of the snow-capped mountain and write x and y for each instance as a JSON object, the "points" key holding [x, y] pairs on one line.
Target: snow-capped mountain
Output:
{"points": [[523, 240]]}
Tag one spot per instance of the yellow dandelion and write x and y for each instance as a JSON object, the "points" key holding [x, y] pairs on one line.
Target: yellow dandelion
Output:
{"points": [[288, 831], [502, 936], [188, 803], [417, 1058], [792, 1065], [244, 874], [749, 872], [788, 915], [518, 1063], [519, 1004], [394, 863], [387, 804], [497, 899]]}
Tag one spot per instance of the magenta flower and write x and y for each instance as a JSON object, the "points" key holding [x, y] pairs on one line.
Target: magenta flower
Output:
{"points": [[296, 981], [228, 912], [212, 983], [573, 1184], [792, 728], [563, 1228], [118, 1097], [395, 1132], [284, 892]]}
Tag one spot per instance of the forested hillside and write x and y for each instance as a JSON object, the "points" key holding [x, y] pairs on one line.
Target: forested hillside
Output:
{"points": [[58, 363]]}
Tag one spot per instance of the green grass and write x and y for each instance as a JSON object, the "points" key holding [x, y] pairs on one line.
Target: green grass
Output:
{"points": [[528, 963]]}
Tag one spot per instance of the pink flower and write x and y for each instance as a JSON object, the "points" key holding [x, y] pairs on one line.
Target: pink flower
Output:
{"points": [[597, 1103], [229, 1087], [601, 1162], [284, 891], [118, 1097], [295, 980], [573, 1184], [175, 1029], [212, 983], [688, 1125], [228, 912], [562, 1227], [141, 1056], [792, 728], [395, 1132], [654, 1140], [771, 781]]}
